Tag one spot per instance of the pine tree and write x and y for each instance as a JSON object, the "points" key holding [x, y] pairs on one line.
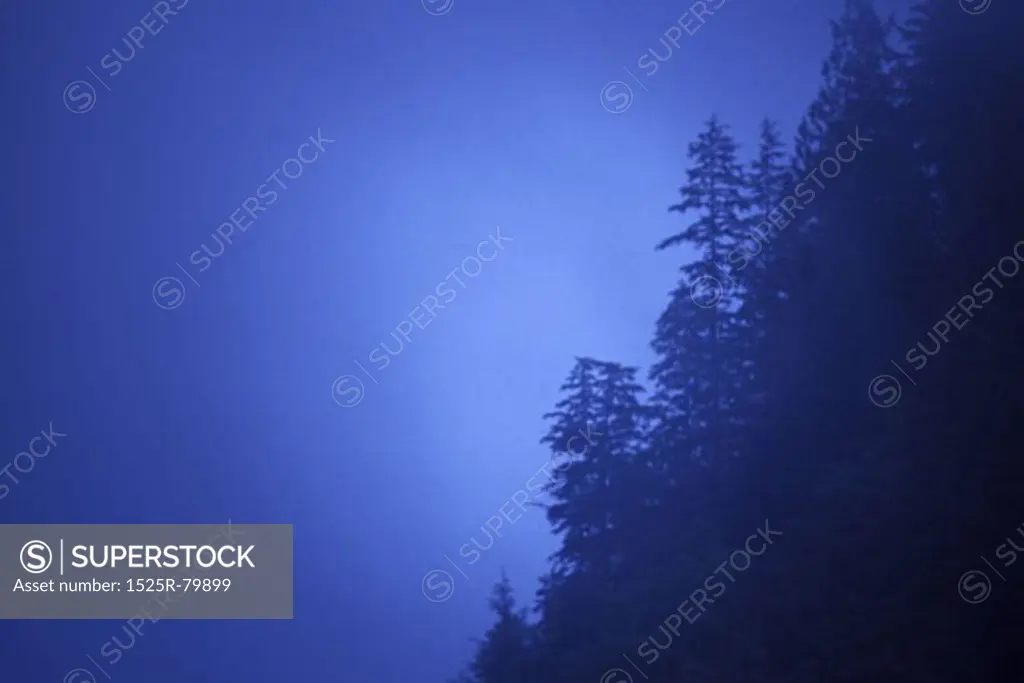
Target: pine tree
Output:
{"points": [[600, 504], [598, 434], [504, 655], [850, 216], [696, 336], [770, 179]]}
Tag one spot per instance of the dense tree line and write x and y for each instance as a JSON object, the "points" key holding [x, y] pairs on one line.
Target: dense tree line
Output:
{"points": [[886, 235]]}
